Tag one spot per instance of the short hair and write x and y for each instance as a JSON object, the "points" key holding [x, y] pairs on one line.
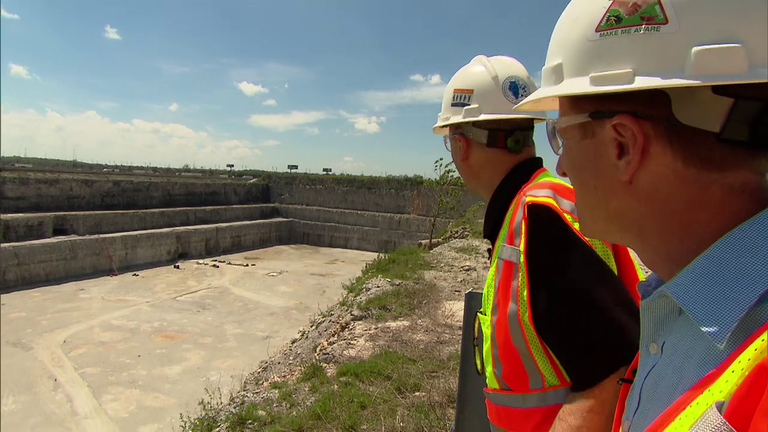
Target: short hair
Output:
{"points": [[697, 148]]}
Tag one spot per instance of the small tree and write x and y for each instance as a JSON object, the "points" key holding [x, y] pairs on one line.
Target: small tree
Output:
{"points": [[449, 189]]}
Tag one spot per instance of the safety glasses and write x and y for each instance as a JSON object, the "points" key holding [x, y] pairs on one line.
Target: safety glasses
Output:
{"points": [[447, 140], [554, 125]]}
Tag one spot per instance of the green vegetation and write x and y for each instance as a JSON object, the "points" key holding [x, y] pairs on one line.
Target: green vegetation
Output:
{"points": [[389, 182], [403, 264], [449, 188], [471, 219], [406, 386], [388, 391]]}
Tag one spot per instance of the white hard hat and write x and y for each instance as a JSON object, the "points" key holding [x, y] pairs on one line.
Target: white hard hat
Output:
{"points": [[604, 46], [488, 88]]}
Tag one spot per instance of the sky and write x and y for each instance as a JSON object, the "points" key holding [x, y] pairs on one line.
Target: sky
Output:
{"points": [[351, 85]]}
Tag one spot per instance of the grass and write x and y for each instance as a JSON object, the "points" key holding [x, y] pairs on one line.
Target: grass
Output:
{"points": [[403, 264], [394, 303], [468, 250], [388, 391], [405, 387]]}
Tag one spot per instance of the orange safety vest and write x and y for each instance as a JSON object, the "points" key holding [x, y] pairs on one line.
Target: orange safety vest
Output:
{"points": [[731, 397], [526, 386]]}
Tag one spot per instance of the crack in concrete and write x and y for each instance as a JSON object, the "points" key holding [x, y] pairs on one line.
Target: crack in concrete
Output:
{"points": [[90, 415]]}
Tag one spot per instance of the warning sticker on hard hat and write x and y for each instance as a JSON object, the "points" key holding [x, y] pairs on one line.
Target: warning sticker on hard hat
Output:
{"points": [[634, 17], [462, 97]]}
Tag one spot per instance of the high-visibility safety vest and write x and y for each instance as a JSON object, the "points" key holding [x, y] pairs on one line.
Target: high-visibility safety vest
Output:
{"points": [[733, 397], [526, 386]]}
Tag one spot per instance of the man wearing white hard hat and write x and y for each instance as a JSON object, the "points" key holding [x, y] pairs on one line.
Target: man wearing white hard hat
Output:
{"points": [[559, 319], [664, 114]]}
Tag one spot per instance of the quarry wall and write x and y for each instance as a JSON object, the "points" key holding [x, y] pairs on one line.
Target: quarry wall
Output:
{"points": [[59, 259], [58, 192], [37, 226], [69, 226], [49, 192]]}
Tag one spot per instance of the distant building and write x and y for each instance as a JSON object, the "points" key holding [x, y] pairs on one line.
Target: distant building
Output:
{"points": [[20, 165]]}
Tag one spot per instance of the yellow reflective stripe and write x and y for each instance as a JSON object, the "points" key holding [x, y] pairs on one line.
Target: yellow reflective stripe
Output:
{"points": [[491, 282], [538, 351], [724, 386], [525, 339], [605, 252]]}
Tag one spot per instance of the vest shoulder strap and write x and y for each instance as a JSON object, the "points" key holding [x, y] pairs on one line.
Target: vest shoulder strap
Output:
{"points": [[718, 385]]}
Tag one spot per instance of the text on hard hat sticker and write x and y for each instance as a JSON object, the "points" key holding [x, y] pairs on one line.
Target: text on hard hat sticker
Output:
{"points": [[632, 17], [462, 97]]}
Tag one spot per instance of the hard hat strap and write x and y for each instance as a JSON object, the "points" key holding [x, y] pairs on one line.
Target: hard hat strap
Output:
{"points": [[513, 141], [746, 124]]}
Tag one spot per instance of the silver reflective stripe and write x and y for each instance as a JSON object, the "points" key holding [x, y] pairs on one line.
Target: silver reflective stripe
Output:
{"points": [[509, 253], [564, 204], [529, 400], [712, 420]]}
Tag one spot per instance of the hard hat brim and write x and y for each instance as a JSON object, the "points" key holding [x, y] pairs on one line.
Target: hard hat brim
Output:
{"points": [[548, 98]]}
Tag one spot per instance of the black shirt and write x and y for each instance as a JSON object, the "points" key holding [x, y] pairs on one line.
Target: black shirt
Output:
{"points": [[579, 307]]}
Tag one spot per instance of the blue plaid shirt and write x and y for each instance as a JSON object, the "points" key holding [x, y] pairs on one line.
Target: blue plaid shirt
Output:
{"points": [[693, 322]]}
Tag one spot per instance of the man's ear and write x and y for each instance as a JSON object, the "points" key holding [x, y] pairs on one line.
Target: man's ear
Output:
{"points": [[464, 147], [630, 140]]}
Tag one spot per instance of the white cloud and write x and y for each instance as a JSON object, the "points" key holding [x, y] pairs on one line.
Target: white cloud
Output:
{"points": [[102, 139], [270, 142], [286, 85], [270, 102], [435, 79], [19, 71], [250, 89], [349, 163], [432, 79], [8, 15], [111, 33], [174, 106], [422, 94], [313, 131], [286, 121], [368, 124]]}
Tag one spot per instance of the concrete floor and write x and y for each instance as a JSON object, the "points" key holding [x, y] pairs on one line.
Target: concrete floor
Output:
{"points": [[131, 353]]}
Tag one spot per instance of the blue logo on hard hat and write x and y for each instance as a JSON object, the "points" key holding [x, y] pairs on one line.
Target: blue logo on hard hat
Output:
{"points": [[515, 89]]}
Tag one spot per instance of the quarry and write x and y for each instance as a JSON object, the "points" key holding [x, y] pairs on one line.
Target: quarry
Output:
{"points": [[124, 296]]}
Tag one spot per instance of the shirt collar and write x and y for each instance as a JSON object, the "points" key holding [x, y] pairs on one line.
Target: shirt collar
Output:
{"points": [[718, 288], [504, 194]]}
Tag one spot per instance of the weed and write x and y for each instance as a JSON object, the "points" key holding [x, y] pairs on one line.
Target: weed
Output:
{"points": [[402, 264], [313, 372], [393, 303]]}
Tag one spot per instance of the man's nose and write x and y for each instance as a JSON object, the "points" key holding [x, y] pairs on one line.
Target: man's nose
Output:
{"points": [[559, 168]]}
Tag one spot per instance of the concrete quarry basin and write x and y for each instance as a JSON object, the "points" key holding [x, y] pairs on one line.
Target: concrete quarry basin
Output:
{"points": [[83, 351], [130, 353]]}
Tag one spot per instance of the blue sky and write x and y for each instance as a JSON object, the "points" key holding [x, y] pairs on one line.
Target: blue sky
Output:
{"points": [[258, 84]]}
